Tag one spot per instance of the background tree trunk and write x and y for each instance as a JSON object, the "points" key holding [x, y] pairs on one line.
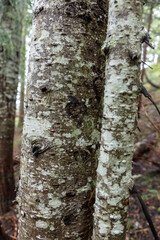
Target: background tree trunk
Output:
{"points": [[63, 119], [21, 106], [123, 43], [145, 45], [22, 74], [10, 35]]}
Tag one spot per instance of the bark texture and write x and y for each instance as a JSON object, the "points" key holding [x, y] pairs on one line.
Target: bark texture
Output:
{"points": [[63, 118], [22, 74], [10, 35], [145, 45], [123, 47]]}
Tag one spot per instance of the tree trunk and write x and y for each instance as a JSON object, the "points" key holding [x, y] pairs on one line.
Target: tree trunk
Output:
{"points": [[21, 106], [123, 44], [22, 75], [3, 235], [145, 45], [10, 30], [63, 119]]}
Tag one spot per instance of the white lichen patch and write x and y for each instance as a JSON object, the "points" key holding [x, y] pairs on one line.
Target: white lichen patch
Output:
{"points": [[104, 156], [55, 203], [40, 187], [103, 227], [52, 228], [67, 135], [42, 224], [101, 169], [85, 188], [115, 189], [117, 228], [36, 127], [115, 216], [114, 200]]}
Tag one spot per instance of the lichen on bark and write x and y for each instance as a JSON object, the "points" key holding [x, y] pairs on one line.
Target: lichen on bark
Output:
{"points": [[62, 120], [122, 87]]}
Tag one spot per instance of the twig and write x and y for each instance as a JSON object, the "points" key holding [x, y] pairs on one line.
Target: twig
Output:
{"points": [[140, 230], [147, 95], [146, 64], [92, 194], [150, 120], [149, 44]]}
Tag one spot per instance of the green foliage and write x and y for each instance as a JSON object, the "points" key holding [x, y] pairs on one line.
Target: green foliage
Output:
{"points": [[151, 2]]}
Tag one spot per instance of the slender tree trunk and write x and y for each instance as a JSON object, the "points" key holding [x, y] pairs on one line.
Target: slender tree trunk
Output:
{"points": [[10, 29], [21, 106], [3, 235], [22, 75], [145, 45], [63, 119], [145, 56], [123, 44]]}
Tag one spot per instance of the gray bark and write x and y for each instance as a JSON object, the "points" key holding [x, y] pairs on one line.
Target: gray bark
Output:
{"points": [[10, 35], [63, 119], [123, 43]]}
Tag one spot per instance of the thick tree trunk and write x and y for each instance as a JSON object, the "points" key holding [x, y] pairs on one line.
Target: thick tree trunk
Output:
{"points": [[63, 118], [123, 44], [9, 63]]}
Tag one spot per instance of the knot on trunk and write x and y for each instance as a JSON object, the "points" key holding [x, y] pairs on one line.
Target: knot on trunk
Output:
{"points": [[39, 146]]}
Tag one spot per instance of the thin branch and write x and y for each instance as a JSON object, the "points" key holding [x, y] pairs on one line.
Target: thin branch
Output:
{"points": [[146, 64], [147, 95], [146, 213], [150, 120], [149, 44]]}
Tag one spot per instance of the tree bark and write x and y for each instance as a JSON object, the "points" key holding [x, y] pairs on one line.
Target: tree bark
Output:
{"points": [[21, 106], [145, 45], [63, 119], [22, 74], [10, 16], [123, 43]]}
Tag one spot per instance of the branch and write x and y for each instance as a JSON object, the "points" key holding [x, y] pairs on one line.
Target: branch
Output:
{"points": [[146, 213], [146, 64]]}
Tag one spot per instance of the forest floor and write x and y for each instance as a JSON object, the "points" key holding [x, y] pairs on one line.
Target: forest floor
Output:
{"points": [[146, 165]]}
